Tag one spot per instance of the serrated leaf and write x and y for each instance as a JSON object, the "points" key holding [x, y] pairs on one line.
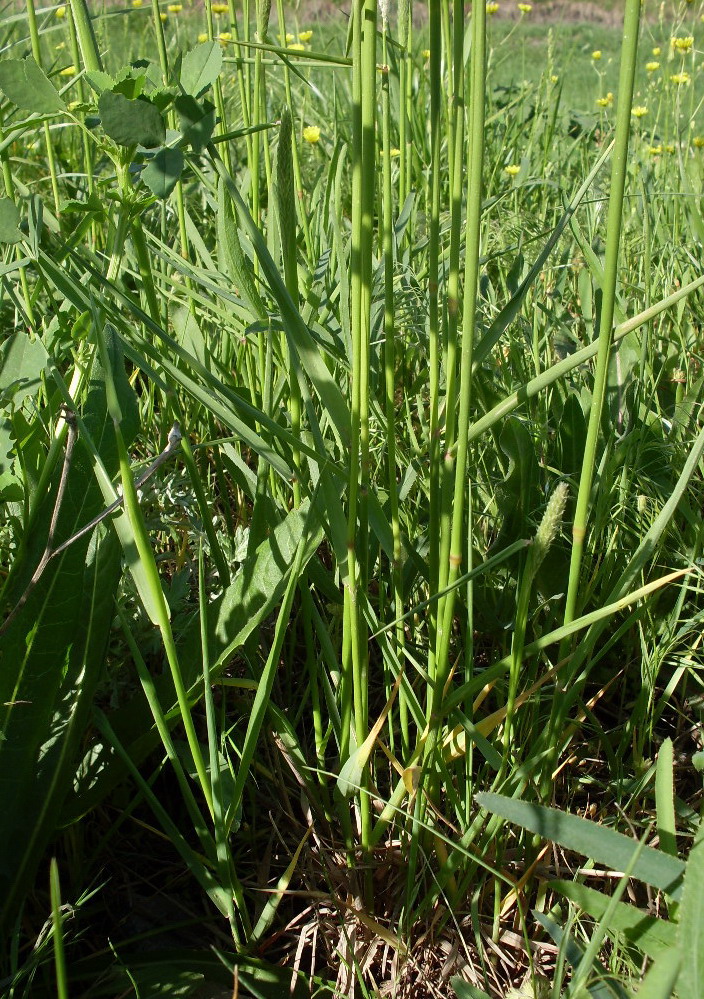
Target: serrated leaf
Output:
{"points": [[9, 221], [201, 67], [590, 839], [651, 935], [163, 171], [197, 120], [28, 87], [99, 81], [660, 980], [131, 123]]}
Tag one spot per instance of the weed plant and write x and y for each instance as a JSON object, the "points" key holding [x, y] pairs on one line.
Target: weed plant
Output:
{"points": [[351, 463]]}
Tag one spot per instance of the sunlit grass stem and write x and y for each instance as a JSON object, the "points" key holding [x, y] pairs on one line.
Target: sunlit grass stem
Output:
{"points": [[475, 139], [390, 376], [48, 141], [614, 223], [363, 184]]}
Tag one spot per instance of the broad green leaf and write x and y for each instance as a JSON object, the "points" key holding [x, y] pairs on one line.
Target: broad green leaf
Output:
{"points": [[201, 67], [131, 123], [22, 363], [25, 84], [590, 839], [661, 978], [162, 172], [572, 436], [51, 654], [9, 221], [197, 120], [691, 918], [651, 935], [518, 495]]}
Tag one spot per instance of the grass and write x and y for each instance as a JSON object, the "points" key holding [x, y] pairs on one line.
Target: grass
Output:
{"points": [[351, 452]]}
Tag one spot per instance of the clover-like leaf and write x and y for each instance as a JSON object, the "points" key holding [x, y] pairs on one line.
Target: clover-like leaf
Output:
{"points": [[163, 171], [197, 120], [25, 84], [200, 68], [131, 123]]}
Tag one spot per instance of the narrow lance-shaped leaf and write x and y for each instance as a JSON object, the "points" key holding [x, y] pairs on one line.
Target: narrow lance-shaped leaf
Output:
{"points": [[9, 221], [691, 917], [590, 839], [52, 650]]}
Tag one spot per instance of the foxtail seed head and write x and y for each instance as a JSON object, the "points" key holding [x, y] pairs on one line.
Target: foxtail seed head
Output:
{"points": [[550, 524]]}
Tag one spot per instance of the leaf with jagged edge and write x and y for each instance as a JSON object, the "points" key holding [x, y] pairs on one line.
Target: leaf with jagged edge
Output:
{"points": [[27, 86]]}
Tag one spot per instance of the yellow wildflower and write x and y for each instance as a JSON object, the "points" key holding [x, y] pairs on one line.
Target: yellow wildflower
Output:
{"points": [[681, 79], [68, 71], [137, 3], [202, 37], [394, 152], [605, 102], [512, 169], [426, 53], [60, 11], [491, 8], [669, 148], [163, 17], [652, 66], [554, 79], [311, 133], [219, 8], [289, 37], [224, 37], [297, 47], [639, 111], [683, 44], [525, 8], [657, 50], [305, 36], [596, 55], [698, 141], [175, 8], [655, 150]]}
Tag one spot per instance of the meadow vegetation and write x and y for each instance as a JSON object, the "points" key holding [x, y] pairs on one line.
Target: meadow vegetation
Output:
{"points": [[351, 453]]}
